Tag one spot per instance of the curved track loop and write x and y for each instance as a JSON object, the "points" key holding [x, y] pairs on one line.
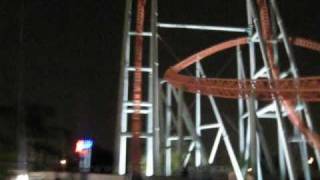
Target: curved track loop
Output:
{"points": [[308, 88], [286, 89]]}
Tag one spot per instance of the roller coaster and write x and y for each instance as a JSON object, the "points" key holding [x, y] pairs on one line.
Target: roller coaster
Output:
{"points": [[268, 93]]}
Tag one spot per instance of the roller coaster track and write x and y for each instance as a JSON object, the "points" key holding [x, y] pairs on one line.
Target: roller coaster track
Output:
{"points": [[288, 91], [137, 89]]}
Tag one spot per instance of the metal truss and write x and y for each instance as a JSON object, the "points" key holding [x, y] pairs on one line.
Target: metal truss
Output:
{"points": [[195, 128], [148, 108], [170, 122], [273, 110]]}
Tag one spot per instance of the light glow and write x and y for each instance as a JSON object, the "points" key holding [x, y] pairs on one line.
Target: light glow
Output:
{"points": [[83, 145], [310, 160], [249, 170], [63, 162], [22, 177]]}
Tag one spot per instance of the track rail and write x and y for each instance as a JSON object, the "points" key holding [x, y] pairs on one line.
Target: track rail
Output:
{"points": [[137, 89], [307, 89], [286, 89]]}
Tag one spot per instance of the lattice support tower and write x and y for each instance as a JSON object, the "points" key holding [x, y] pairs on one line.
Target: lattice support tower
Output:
{"points": [[183, 127], [146, 108]]}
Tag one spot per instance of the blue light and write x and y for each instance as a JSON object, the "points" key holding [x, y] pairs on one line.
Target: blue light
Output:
{"points": [[83, 144], [87, 144]]}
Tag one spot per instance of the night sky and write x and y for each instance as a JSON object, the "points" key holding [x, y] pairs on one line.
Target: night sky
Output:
{"points": [[72, 52]]}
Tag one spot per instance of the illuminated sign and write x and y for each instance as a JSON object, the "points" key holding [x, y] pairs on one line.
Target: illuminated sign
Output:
{"points": [[84, 149], [83, 145]]}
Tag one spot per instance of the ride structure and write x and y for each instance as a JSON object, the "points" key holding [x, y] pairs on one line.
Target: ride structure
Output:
{"points": [[138, 100], [269, 92]]}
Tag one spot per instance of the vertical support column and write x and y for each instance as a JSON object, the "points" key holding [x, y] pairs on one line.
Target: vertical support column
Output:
{"points": [[284, 143], [304, 158], [198, 120], [285, 37], [295, 73], [252, 54], [247, 151], [280, 123], [253, 134], [240, 106], [310, 125], [150, 125], [150, 122], [135, 103], [168, 130], [281, 158], [180, 126], [123, 93], [155, 83], [251, 102], [259, 155], [244, 133], [154, 144]]}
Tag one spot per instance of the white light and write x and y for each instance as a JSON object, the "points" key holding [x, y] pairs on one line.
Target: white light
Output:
{"points": [[249, 170], [22, 177], [310, 160], [63, 162]]}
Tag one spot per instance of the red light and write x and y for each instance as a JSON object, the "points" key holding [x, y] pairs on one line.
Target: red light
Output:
{"points": [[79, 146], [83, 147]]}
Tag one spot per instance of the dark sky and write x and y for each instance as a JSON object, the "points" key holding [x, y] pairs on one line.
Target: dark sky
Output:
{"points": [[72, 51]]}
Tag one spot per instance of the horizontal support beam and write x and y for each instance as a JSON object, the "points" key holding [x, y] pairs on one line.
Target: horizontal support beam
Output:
{"points": [[266, 109], [209, 126], [147, 34], [202, 27], [144, 69], [142, 135], [142, 111], [268, 116], [142, 104], [296, 139], [175, 138], [269, 111]]}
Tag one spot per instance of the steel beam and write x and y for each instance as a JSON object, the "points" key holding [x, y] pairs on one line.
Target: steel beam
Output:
{"points": [[280, 123], [155, 87], [123, 93], [202, 27]]}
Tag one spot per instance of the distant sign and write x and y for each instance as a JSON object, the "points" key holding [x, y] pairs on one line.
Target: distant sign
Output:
{"points": [[84, 149]]}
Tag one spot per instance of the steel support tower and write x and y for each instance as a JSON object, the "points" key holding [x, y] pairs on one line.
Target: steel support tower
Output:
{"points": [[254, 113], [183, 129], [148, 106]]}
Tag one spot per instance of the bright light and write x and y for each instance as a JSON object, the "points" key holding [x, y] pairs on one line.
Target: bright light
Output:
{"points": [[22, 177], [83, 145], [310, 160], [249, 170], [63, 162]]}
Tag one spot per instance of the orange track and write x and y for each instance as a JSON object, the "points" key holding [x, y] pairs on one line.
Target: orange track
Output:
{"points": [[287, 90], [308, 88], [137, 90]]}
